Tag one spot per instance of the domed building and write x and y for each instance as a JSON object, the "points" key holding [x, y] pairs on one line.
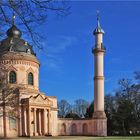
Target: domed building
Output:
{"points": [[24, 110], [36, 111]]}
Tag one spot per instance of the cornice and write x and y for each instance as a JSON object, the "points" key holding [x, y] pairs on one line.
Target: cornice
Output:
{"points": [[13, 57], [96, 51]]}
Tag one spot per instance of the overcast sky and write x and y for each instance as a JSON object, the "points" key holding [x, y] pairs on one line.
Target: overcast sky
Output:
{"points": [[67, 63]]}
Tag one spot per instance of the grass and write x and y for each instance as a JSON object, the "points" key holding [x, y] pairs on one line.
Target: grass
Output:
{"points": [[78, 138]]}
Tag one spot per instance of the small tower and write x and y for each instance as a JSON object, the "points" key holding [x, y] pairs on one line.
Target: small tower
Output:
{"points": [[98, 51]]}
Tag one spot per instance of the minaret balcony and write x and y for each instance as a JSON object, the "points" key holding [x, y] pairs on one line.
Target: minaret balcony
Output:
{"points": [[96, 49]]}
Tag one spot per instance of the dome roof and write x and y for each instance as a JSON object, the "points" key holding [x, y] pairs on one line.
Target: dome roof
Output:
{"points": [[98, 30], [14, 32], [13, 42]]}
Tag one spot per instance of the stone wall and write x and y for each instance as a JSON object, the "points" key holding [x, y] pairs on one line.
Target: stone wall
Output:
{"points": [[89, 127]]}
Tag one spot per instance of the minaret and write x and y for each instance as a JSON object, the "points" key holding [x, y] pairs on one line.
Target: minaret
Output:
{"points": [[98, 52]]}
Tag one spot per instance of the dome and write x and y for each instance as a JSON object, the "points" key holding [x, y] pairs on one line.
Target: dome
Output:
{"points": [[98, 30], [14, 32], [13, 42]]}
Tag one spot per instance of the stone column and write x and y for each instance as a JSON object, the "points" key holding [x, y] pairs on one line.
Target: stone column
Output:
{"points": [[47, 122], [20, 121], [49, 131], [29, 122], [25, 121], [45, 125], [39, 115], [35, 122]]}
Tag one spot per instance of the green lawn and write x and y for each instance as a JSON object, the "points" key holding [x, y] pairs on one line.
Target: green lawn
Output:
{"points": [[77, 138]]}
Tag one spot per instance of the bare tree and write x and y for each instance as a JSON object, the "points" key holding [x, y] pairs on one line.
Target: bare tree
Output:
{"points": [[137, 75], [80, 107], [30, 13], [9, 99], [64, 108], [125, 90]]}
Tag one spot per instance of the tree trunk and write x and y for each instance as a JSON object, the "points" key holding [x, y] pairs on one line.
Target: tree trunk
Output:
{"points": [[124, 131], [4, 115]]}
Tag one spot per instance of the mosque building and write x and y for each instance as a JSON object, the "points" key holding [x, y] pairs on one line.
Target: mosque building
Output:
{"points": [[35, 113]]}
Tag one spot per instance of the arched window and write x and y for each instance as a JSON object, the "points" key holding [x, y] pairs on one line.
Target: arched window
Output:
{"points": [[12, 77], [63, 129], [74, 129], [85, 129], [30, 79]]}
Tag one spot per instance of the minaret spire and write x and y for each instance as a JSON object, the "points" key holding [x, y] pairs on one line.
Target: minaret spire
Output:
{"points": [[98, 18], [98, 29]]}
